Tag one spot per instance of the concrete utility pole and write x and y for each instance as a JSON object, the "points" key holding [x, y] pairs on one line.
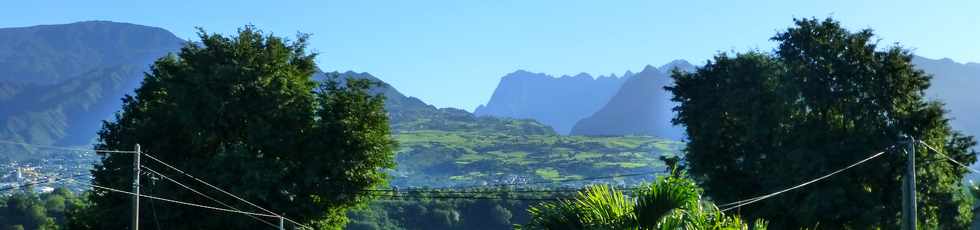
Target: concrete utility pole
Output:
{"points": [[136, 187], [281, 223], [909, 209]]}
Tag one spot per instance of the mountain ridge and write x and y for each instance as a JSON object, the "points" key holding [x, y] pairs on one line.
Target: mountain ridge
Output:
{"points": [[49, 54], [556, 101], [640, 107], [564, 102]]}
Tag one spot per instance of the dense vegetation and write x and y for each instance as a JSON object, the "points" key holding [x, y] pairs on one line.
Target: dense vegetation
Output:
{"points": [[826, 98], [49, 211], [241, 112], [478, 209]]}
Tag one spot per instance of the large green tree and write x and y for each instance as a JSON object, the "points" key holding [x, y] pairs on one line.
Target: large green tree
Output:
{"points": [[243, 113], [826, 98]]}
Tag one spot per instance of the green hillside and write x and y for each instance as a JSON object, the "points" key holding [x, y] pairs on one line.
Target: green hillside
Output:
{"points": [[441, 147], [443, 158], [66, 114], [58, 82]]}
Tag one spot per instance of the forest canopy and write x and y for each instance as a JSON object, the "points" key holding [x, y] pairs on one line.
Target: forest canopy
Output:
{"points": [[826, 98]]}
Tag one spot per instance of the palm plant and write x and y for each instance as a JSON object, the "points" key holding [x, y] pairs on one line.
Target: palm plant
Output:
{"points": [[668, 203], [658, 200]]}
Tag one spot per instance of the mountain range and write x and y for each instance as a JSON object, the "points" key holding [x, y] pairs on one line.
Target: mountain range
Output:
{"points": [[437, 146], [559, 102], [955, 84], [640, 105], [51, 54], [633, 104], [58, 82], [411, 114]]}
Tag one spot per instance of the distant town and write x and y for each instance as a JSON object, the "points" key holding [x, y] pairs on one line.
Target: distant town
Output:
{"points": [[70, 165]]}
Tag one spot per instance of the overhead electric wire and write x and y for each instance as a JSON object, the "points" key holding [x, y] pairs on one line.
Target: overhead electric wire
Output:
{"points": [[948, 157], [467, 198], [204, 195], [741, 203], [221, 190], [64, 148], [491, 190], [46, 181], [435, 194], [471, 191], [173, 201], [555, 181]]}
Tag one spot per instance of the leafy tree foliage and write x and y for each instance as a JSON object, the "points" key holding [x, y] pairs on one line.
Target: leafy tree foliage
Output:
{"points": [[826, 98], [495, 209], [243, 113], [29, 210], [669, 203]]}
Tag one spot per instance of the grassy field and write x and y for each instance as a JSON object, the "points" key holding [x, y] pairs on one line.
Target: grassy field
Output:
{"points": [[445, 158]]}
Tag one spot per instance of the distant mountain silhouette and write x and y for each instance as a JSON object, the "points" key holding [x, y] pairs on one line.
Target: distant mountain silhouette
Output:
{"points": [[66, 113], [58, 82], [558, 102], [640, 107], [411, 114], [51, 54], [958, 86], [680, 64]]}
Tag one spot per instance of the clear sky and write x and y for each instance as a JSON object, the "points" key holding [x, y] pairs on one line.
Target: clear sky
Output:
{"points": [[453, 53]]}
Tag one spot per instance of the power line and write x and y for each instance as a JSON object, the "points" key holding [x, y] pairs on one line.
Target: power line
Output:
{"points": [[741, 203], [557, 181], [948, 157], [472, 191], [435, 194], [46, 181], [488, 191], [221, 190], [64, 148], [468, 198], [204, 195], [174, 201]]}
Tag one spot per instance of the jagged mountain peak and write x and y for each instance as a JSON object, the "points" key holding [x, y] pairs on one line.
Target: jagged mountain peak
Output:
{"points": [[555, 101], [649, 68], [681, 64]]}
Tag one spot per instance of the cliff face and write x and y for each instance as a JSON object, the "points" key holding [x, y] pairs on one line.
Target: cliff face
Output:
{"points": [[640, 107], [557, 102]]}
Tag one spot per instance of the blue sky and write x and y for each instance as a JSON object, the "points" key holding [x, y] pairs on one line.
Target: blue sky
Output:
{"points": [[453, 53]]}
